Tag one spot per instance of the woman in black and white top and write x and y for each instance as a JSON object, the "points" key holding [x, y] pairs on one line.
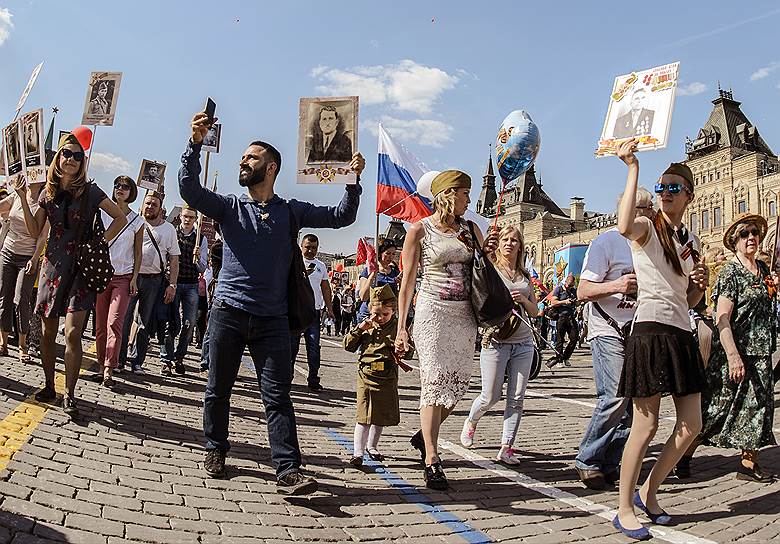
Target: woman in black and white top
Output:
{"points": [[661, 356], [125, 250], [18, 267]]}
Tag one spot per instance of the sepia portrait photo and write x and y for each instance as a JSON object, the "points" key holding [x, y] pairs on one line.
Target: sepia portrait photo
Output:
{"points": [[13, 149], [640, 107], [152, 175], [211, 140], [33, 146], [327, 139], [102, 97]]}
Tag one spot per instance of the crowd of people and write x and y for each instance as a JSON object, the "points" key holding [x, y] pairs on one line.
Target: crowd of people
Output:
{"points": [[651, 329]]}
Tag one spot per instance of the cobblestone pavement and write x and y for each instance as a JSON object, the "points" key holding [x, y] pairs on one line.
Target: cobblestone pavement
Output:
{"points": [[130, 469]]}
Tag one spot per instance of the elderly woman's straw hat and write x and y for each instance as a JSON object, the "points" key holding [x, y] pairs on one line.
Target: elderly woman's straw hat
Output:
{"points": [[744, 219]]}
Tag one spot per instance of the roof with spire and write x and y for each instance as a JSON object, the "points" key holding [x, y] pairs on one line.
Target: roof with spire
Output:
{"points": [[534, 194], [726, 127]]}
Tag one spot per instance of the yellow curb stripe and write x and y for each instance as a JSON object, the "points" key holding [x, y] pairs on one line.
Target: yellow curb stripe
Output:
{"points": [[17, 427]]}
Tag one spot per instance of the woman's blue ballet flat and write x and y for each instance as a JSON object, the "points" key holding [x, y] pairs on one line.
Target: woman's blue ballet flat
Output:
{"points": [[659, 519], [637, 534]]}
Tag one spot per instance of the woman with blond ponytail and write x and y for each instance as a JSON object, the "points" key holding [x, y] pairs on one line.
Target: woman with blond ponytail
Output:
{"points": [[68, 204], [661, 356], [508, 351]]}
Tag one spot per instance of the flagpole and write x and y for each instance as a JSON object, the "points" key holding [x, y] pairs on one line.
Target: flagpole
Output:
{"points": [[91, 147], [376, 238]]}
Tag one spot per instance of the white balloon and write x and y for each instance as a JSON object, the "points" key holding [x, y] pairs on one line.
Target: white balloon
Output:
{"points": [[424, 184]]}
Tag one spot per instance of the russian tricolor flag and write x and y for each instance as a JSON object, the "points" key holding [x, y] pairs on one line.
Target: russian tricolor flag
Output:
{"points": [[396, 188]]}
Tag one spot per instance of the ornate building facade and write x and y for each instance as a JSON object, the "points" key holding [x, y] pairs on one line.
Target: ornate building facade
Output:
{"points": [[734, 170]]}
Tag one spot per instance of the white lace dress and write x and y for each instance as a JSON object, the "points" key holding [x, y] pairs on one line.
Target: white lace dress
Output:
{"points": [[445, 330]]}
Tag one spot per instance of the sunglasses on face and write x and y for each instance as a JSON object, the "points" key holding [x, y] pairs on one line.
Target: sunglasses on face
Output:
{"points": [[77, 156], [122, 186], [752, 232], [673, 188]]}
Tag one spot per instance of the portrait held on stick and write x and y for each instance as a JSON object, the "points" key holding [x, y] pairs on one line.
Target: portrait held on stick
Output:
{"points": [[212, 138], [327, 139], [152, 176], [33, 146], [640, 107], [102, 96], [12, 149]]}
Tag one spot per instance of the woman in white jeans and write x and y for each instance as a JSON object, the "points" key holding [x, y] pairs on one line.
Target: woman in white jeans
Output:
{"points": [[510, 355]]}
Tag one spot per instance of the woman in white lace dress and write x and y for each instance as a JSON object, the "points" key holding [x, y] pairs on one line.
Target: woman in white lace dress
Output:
{"points": [[444, 326]]}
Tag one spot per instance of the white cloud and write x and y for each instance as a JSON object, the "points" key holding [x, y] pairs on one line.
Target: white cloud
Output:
{"points": [[764, 71], [691, 89], [428, 132], [6, 25], [109, 164], [405, 86]]}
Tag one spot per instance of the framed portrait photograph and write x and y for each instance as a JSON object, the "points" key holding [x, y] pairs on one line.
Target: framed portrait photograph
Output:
{"points": [[152, 175], [212, 138], [640, 107], [33, 142], [12, 140], [327, 138], [102, 98], [776, 248]]}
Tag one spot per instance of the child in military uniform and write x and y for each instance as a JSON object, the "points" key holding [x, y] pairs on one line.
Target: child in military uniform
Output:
{"points": [[377, 376]]}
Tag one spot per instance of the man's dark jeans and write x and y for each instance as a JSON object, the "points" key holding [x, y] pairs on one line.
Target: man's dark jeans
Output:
{"points": [[566, 324], [312, 338], [148, 292], [268, 339]]}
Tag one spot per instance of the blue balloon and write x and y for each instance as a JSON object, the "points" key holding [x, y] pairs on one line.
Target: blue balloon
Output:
{"points": [[517, 145]]}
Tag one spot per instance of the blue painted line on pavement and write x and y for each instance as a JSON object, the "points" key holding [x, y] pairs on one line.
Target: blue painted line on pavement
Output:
{"points": [[458, 527]]}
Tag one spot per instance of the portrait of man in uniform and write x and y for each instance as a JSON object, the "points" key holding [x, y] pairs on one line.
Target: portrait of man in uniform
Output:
{"points": [[102, 95], [638, 121], [152, 175]]}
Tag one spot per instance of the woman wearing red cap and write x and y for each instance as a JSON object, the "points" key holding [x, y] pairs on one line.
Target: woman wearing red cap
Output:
{"points": [[69, 204], [661, 356]]}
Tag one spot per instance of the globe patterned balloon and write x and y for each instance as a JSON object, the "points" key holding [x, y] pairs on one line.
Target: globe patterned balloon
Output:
{"points": [[517, 145]]}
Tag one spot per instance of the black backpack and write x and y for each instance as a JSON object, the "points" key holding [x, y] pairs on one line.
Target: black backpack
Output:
{"points": [[300, 296]]}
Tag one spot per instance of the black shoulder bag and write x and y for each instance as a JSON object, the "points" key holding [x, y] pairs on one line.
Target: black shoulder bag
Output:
{"points": [[623, 331], [490, 299], [92, 258], [300, 296]]}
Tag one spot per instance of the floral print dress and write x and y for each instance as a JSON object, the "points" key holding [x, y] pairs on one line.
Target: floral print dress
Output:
{"points": [[741, 415], [61, 289]]}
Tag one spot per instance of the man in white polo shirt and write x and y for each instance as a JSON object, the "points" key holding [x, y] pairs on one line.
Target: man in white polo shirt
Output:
{"points": [[608, 282], [318, 276], [158, 253]]}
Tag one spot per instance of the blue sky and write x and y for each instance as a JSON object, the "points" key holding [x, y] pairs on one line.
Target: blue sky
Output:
{"points": [[441, 75]]}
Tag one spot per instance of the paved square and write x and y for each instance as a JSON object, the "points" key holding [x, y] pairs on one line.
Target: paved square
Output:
{"points": [[130, 469]]}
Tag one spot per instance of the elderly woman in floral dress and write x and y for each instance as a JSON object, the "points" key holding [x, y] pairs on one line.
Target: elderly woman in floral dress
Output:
{"points": [[738, 400]]}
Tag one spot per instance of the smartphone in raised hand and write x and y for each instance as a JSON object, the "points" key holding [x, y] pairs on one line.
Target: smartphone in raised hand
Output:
{"points": [[210, 109]]}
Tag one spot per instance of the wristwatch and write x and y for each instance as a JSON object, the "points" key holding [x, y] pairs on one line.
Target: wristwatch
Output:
{"points": [[172, 285]]}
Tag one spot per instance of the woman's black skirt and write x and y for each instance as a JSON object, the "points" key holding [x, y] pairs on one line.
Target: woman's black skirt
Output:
{"points": [[660, 359]]}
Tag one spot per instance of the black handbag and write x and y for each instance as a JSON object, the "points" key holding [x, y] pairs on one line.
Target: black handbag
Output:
{"points": [[300, 295], [92, 259], [490, 298]]}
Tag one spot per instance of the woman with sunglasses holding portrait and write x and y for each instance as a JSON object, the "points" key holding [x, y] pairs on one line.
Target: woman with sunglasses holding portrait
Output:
{"points": [[738, 399], [661, 356], [125, 251], [68, 204]]}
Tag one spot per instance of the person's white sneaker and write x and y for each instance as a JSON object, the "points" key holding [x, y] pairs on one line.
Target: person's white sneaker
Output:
{"points": [[467, 434], [507, 456]]}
